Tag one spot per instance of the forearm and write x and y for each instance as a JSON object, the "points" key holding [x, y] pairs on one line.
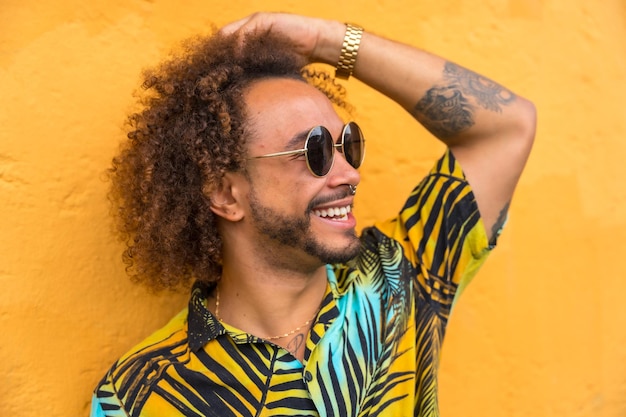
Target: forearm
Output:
{"points": [[454, 103], [489, 129]]}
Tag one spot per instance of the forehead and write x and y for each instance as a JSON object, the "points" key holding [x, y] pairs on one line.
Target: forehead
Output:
{"points": [[280, 108]]}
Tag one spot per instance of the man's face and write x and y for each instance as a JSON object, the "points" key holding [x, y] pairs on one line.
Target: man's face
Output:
{"points": [[290, 208]]}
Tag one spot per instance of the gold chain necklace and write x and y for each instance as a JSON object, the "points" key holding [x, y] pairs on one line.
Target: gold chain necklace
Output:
{"points": [[217, 315]]}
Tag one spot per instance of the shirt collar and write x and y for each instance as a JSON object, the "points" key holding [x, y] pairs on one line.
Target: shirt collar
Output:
{"points": [[203, 325], [332, 281]]}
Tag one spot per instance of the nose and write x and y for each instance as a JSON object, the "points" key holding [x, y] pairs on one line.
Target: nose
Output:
{"points": [[342, 172]]}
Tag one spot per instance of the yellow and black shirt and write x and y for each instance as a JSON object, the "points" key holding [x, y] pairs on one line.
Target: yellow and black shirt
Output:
{"points": [[374, 347]]}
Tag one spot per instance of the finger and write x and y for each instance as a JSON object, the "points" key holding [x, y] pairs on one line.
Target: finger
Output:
{"points": [[234, 26]]}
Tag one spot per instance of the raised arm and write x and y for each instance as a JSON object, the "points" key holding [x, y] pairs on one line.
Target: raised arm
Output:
{"points": [[488, 128]]}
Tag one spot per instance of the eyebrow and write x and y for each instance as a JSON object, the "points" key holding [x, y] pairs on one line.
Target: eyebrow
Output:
{"points": [[297, 140]]}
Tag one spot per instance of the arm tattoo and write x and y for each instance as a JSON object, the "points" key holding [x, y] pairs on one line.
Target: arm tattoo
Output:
{"points": [[488, 94], [499, 224], [446, 110]]}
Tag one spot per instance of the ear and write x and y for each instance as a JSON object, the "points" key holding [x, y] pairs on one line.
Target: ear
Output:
{"points": [[226, 198]]}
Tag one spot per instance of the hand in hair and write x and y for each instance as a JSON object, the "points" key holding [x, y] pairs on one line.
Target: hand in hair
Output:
{"points": [[315, 39]]}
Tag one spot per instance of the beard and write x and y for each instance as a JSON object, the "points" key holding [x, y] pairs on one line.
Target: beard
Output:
{"points": [[295, 232]]}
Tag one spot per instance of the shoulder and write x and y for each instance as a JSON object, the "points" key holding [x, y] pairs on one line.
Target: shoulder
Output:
{"points": [[141, 366], [158, 343]]}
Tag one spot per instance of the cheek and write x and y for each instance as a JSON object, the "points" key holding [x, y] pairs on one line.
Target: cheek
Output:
{"points": [[291, 179], [288, 186]]}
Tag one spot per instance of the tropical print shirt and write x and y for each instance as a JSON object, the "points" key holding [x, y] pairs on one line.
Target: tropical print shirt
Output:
{"points": [[373, 349]]}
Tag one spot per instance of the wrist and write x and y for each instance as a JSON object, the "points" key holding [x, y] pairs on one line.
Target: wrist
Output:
{"points": [[349, 51], [329, 43]]}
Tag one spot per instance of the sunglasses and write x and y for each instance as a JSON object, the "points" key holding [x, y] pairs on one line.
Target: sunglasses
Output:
{"points": [[319, 149]]}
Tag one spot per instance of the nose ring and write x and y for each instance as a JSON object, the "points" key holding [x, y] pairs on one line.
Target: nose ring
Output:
{"points": [[352, 189]]}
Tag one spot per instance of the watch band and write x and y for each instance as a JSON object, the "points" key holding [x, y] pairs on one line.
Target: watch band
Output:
{"points": [[349, 51]]}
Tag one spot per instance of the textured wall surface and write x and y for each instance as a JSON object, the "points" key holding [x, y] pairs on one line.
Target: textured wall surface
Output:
{"points": [[540, 332]]}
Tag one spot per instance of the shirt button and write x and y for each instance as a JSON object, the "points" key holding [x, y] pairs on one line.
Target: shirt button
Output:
{"points": [[308, 377]]}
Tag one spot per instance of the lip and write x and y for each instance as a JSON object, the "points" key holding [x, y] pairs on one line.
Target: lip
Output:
{"points": [[346, 202], [338, 213], [347, 223]]}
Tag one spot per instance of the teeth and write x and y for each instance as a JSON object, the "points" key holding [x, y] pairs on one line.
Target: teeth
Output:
{"points": [[340, 212]]}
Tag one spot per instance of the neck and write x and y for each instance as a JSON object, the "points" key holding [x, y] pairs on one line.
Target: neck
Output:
{"points": [[302, 328], [268, 305], [268, 291], [274, 296]]}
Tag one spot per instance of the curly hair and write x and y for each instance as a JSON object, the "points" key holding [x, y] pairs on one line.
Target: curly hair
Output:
{"points": [[188, 132]]}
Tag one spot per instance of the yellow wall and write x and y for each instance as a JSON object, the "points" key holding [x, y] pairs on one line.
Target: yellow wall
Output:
{"points": [[540, 332]]}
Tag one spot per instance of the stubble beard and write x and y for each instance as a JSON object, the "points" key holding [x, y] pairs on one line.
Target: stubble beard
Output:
{"points": [[295, 232]]}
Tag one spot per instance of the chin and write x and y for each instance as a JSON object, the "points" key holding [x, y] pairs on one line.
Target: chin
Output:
{"points": [[338, 253]]}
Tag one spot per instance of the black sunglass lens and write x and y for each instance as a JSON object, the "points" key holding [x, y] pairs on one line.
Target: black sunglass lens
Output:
{"points": [[353, 144], [320, 151]]}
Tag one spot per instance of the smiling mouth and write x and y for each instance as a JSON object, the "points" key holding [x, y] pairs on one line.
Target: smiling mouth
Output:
{"points": [[334, 213]]}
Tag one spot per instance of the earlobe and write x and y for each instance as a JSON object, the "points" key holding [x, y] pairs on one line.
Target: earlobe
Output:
{"points": [[225, 200]]}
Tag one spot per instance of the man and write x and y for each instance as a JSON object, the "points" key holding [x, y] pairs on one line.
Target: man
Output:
{"points": [[240, 175]]}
